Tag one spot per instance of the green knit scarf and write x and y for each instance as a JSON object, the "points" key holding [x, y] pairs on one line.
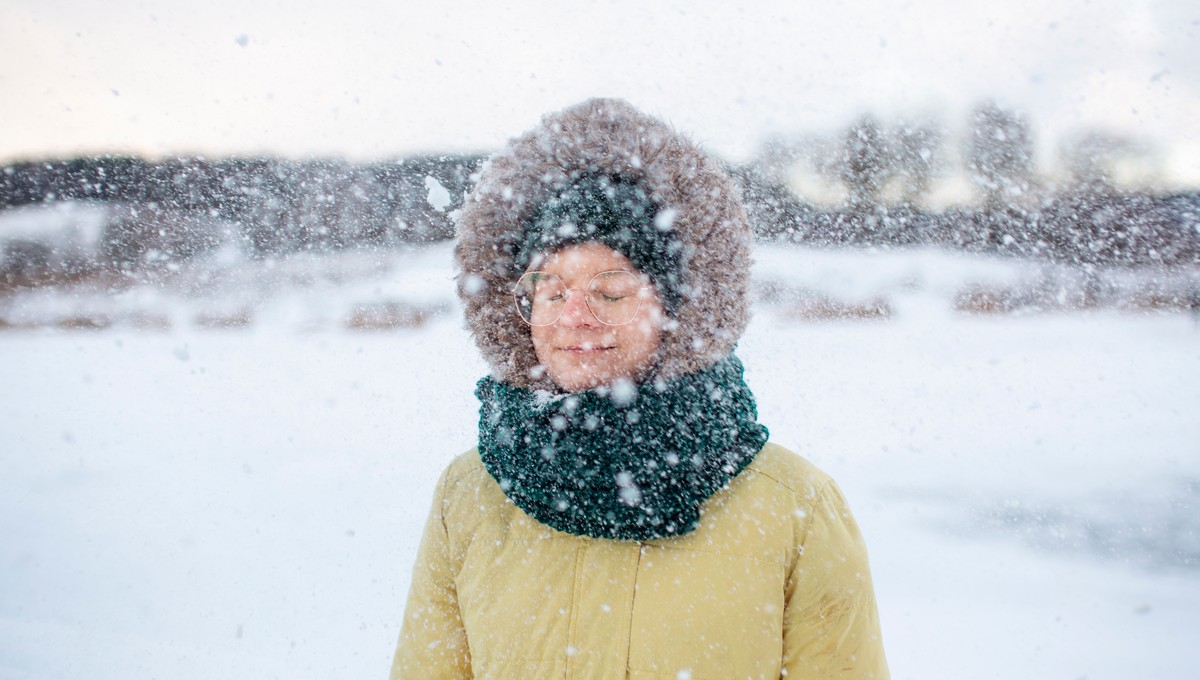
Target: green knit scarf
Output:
{"points": [[623, 462]]}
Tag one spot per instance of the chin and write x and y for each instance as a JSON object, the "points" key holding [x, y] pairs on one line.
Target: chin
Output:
{"points": [[572, 382], [577, 377]]}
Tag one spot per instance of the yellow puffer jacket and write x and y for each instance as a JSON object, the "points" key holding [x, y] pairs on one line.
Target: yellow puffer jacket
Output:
{"points": [[774, 583]]}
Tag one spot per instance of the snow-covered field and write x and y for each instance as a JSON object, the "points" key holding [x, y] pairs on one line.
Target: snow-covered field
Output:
{"points": [[199, 502]]}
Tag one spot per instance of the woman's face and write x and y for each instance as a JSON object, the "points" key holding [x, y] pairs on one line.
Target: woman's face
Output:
{"points": [[579, 352]]}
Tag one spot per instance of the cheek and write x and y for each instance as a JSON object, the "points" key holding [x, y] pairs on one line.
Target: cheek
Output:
{"points": [[540, 336], [643, 336]]}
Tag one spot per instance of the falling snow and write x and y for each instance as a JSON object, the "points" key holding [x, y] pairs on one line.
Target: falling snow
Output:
{"points": [[1047, 461]]}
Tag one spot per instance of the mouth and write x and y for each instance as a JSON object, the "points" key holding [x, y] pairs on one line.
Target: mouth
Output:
{"points": [[585, 350]]}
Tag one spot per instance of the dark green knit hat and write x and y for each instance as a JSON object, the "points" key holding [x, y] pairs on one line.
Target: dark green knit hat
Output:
{"points": [[618, 214]]}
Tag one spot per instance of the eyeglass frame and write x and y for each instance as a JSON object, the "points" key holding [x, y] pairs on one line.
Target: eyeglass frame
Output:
{"points": [[640, 298]]}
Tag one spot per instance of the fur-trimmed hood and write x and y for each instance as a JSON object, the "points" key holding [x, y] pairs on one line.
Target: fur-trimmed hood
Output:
{"points": [[608, 137]]}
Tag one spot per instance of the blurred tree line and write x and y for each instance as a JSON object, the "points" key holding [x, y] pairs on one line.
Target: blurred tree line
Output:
{"points": [[1085, 216], [883, 176], [177, 208]]}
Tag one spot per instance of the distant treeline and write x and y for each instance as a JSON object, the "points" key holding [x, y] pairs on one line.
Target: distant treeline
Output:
{"points": [[886, 172], [281, 205], [174, 209], [1088, 225]]}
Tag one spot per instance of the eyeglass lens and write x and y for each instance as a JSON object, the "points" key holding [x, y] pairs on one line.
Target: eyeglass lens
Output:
{"points": [[614, 298]]}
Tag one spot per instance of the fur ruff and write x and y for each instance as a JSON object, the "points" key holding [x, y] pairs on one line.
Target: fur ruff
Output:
{"points": [[606, 136]]}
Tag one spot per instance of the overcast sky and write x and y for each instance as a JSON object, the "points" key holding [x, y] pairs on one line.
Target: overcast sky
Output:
{"points": [[378, 78]]}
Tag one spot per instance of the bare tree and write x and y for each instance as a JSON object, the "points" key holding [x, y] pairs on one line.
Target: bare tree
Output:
{"points": [[1092, 157], [999, 154], [865, 162], [916, 151]]}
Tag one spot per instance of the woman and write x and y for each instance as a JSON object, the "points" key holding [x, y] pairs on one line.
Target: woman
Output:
{"points": [[623, 515]]}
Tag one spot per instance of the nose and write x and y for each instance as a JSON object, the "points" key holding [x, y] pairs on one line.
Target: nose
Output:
{"points": [[575, 312]]}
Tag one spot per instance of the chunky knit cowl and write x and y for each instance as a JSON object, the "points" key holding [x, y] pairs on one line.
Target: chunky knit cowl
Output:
{"points": [[626, 462]]}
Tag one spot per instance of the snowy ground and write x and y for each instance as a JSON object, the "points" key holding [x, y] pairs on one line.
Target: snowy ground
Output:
{"points": [[196, 502]]}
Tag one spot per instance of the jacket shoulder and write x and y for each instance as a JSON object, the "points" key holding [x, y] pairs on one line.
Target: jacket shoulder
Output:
{"points": [[465, 465], [789, 470], [470, 499], [465, 478]]}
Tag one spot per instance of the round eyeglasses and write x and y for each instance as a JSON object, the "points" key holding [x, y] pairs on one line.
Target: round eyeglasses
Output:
{"points": [[613, 297]]}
